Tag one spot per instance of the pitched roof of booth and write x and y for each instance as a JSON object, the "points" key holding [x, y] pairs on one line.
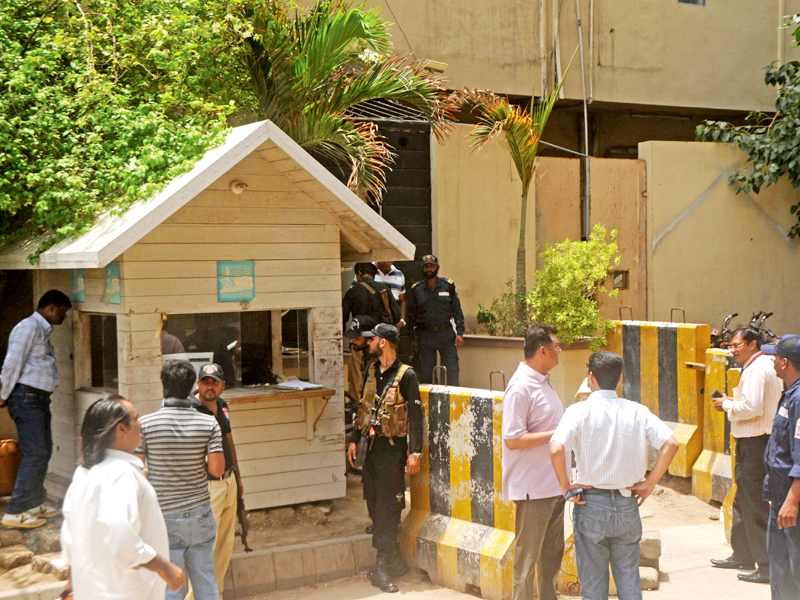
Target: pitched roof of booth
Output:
{"points": [[365, 234]]}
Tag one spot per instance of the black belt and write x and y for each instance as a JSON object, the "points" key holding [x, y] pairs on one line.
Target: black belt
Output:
{"points": [[222, 477], [438, 328], [605, 492], [35, 389]]}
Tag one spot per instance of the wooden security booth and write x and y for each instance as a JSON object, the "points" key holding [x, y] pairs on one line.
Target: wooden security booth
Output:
{"points": [[238, 261]]}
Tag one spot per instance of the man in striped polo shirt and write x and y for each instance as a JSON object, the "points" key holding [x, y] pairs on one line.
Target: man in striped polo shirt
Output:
{"points": [[183, 447]]}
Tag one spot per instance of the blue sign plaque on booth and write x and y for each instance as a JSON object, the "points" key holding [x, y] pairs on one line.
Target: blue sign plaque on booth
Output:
{"points": [[236, 281], [112, 293], [78, 285]]}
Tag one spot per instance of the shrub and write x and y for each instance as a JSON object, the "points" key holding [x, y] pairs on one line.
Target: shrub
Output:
{"points": [[565, 294]]}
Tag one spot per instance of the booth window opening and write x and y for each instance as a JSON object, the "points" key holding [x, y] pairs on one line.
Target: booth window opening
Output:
{"points": [[103, 355], [253, 348]]}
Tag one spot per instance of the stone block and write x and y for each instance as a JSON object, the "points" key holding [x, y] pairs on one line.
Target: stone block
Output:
{"points": [[11, 537], [28, 593], [651, 544], [44, 540], [294, 567], [363, 552], [253, 573], [51, 563], [649, 578], [15, 556], [653, 563], [48, 591], [334, 559]]}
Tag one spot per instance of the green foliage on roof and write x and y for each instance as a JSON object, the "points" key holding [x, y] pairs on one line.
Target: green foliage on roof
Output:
{"points": [[104, 101]]}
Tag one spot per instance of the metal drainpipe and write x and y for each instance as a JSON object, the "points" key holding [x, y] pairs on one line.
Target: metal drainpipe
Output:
{"points": [[585, 228]]}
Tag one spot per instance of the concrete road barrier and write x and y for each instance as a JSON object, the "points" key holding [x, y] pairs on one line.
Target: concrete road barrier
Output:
{"points": [[712, 475], [459, 528], [656, 374]]}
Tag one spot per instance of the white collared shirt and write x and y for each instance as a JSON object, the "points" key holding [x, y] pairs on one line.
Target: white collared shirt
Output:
{"points": [[609, 436], [31, 358], [112, 526], [755, 398], [530, 405]]}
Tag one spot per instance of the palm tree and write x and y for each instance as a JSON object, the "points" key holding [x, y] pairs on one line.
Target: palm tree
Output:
{"points": [[309, 67], [523, 131]]}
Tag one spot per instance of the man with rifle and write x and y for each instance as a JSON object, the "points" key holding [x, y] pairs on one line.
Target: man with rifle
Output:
{"points": [[387, 438], [226, 490], [369, 297]]}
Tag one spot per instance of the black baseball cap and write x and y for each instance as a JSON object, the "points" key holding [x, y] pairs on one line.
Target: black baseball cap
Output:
{"points": [[430, 259], [787, 347], [388, 332], [361, 325], [212, 370]]}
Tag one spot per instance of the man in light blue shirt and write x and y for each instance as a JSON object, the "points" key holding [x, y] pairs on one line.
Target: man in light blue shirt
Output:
{"points": [[28, 378]]}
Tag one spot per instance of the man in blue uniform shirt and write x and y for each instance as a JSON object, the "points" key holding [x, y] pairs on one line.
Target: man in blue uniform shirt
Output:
{"points": [[433, 307], [782, 484]]}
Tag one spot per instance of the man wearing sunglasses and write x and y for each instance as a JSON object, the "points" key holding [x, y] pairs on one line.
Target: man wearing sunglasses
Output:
{"points": [[751, 411]]}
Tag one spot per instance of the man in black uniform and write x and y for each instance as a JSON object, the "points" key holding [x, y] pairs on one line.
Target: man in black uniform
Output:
{"points": [[432, 304], [389, 410], [370, 297]]}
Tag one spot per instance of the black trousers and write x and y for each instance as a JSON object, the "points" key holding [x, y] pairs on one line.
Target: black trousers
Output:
{"points": [[445, 342], [385, 490], [750, 510]]}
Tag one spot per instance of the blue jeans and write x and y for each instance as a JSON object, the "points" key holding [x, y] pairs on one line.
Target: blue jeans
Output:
{"points": [[783, 546], [191, 546], [30, 409], [608, 529]]}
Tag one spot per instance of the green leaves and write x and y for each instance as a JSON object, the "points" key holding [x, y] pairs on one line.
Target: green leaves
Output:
{"points": [[105, 101], [569, 283], [565, 294], [309, 67]]}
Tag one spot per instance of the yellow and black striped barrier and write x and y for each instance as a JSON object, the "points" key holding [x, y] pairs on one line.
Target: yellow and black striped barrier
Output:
{"points": [[459, 529], [712, 475], [655, 357]]}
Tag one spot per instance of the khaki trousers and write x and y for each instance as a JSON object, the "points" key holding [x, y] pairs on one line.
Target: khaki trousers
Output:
{"points": [[538, 548], [223, 502]]}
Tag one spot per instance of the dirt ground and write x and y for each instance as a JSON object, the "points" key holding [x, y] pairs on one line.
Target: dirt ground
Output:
{"points": [[691, 534], [343, 517]]}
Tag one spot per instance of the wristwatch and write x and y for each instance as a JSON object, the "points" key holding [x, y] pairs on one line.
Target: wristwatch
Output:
{"points": [[414, 454], [403, 321]]}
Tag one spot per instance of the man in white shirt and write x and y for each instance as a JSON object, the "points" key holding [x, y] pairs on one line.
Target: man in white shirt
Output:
{"points": [[751, 412], [609, 436], [531, 411], [114, 537]]}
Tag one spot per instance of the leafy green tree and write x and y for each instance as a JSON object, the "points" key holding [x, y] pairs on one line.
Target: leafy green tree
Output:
{"points": [[105, 100], [569, 283], [522, 130], [308, 67], [771, 142]]}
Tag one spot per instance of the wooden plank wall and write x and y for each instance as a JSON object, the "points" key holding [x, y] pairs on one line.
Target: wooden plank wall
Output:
{"points": [[295, 245], [65, 427]]}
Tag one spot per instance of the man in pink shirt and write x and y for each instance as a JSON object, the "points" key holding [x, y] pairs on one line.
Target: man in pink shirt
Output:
{"points": [[531, 412]]}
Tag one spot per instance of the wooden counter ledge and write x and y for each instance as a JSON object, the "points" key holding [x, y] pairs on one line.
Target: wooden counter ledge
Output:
{"points": [[312, 402]]}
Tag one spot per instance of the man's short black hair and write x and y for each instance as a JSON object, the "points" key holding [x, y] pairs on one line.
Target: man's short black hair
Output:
{"points": [[54, 297], [178, 378], [748, 334], [606, 368], [366, 268], [536, 336]]}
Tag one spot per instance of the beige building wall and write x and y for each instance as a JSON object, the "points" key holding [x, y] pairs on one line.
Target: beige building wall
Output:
{"points": [[646, 52], [618, 201], [476, 202], [712, 251], [476, 206]]}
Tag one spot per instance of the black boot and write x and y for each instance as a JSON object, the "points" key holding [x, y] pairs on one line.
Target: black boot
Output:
{"points": [[380, 576], [397, 567]]}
